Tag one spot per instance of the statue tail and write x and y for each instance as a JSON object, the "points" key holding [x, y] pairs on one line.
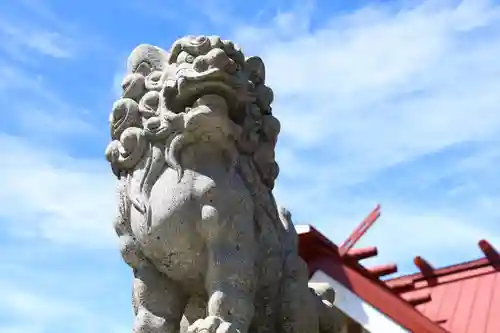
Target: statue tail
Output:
{"points": [[289, 238], [322, 296]]}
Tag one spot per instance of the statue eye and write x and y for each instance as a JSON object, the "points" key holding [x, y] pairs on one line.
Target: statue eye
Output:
{"points": [[185, 57]]}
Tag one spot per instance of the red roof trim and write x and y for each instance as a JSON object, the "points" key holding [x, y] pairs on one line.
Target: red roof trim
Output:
{"points": [[386, 302], [318, 245], [474, 266], [359, 231], [463, 297], [427, 272], [322, 254]]}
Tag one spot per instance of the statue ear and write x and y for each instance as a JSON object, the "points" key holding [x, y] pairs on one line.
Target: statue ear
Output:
{"points": [[256, 70], [144, 69], [175, 50], [146, 58]]}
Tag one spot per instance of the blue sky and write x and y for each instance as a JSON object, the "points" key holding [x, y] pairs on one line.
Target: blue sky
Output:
{"points": [[380, 102]]}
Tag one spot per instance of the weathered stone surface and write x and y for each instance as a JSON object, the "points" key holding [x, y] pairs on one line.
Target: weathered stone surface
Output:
{"points": [[193, 140]]}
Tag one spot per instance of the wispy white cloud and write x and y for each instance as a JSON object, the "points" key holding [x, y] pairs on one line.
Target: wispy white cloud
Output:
{"points": [[442, 237], [18, 39], [54, 209], [47, 184], [52, 196], [31, 311], [362, 93], [34, 109], [379, 105], [358, 96], [394, 78], [368, 95], [35, 34]]}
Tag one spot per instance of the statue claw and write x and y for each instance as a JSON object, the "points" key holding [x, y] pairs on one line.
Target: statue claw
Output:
{"points": [[212, 324]]}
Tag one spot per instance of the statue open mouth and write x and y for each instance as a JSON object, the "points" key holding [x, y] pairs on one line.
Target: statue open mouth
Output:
{"points": [[191, 85]]}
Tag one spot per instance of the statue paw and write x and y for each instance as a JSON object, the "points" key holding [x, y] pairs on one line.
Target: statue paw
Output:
{"points": [[212, 324]]}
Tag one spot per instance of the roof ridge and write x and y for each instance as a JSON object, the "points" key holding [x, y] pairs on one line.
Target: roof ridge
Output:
{"points": [[322, 254], [470, 265]]}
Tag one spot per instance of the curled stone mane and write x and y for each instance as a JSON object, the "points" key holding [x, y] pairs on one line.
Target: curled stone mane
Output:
{"points": [[147, 121], [193, 148]]}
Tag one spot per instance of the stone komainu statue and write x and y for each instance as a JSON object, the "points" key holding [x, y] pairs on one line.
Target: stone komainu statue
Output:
{"points": [[193, 140]]}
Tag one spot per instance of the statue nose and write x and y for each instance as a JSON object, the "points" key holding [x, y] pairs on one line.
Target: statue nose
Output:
{"points": [[216, 58], [200, 39]]}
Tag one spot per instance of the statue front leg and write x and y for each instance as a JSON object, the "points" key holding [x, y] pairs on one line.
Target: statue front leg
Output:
{"points": [[158, 302], [230, 277]]}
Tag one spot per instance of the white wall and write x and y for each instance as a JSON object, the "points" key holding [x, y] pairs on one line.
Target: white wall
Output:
{"points": [[367, 316]]}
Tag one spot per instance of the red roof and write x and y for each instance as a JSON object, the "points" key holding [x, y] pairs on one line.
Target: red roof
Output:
{"points": [[456, 299], [462, 298], [321, 254]]}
